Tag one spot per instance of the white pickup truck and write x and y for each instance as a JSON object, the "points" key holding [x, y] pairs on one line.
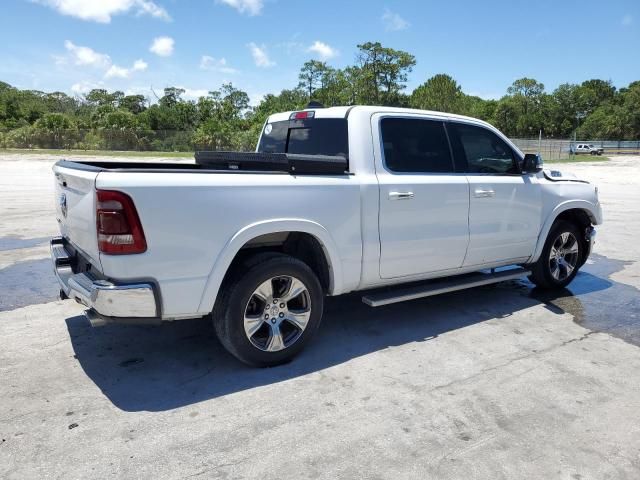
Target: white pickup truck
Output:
{"points": [[400, 203], [587, 148]]}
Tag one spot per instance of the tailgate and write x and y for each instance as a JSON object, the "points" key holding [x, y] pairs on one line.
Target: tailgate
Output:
{"points": [[76, 209]]}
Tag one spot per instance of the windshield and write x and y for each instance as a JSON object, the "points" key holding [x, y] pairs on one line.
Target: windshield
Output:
{"points": [[324, 136]]}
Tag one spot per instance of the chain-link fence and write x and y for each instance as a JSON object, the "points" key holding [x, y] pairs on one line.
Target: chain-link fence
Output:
{"points": [[557, 149]]}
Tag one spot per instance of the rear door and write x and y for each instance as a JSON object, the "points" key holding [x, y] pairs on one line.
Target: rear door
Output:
{"points": [[75, 202], [424, 204], [505, 206]]}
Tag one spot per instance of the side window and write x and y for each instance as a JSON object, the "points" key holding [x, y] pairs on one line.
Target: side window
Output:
{"points": [[413, 145], [484, 151]]}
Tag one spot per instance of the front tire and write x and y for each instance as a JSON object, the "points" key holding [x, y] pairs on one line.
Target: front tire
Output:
{"points": [[560, 258], [269, 308]]}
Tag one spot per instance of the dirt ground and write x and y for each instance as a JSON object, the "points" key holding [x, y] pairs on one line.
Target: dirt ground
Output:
{"points": [[496, 382]]}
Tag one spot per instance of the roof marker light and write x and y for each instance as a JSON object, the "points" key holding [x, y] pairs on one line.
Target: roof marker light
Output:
{"points": [[302, 115]]}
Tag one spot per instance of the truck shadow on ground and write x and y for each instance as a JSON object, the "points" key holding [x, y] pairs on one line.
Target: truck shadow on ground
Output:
{"points": [[161, 368]]}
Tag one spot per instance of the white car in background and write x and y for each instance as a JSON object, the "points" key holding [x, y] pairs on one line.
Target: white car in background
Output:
{"points": [[333, 201]]}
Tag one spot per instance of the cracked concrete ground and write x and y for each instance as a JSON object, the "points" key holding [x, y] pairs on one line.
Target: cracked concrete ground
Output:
{"points": [[497, 382]]}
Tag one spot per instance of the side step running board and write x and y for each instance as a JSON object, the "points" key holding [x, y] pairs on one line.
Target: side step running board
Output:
{"points": [[436, 287]]}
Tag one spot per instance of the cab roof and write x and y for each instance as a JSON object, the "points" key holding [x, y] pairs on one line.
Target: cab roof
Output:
{"points": [[345, 111]]}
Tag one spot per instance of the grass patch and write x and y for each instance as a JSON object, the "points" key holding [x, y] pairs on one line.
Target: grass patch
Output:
{"points": [[94, 153], [579, 159]]}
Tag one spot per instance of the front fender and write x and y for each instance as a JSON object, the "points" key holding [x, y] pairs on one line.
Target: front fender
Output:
{"points": [[593, 210], [244, 235]]}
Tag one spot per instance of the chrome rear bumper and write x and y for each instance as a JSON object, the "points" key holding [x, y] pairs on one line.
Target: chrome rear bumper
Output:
{"points": [[104, 298]]}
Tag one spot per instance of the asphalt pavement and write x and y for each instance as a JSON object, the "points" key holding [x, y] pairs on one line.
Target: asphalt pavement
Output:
{"points": [[497, 382]]}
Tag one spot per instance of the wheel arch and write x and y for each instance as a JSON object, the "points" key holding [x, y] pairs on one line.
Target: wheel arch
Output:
{"points": [[288, 235], [580, 212]]}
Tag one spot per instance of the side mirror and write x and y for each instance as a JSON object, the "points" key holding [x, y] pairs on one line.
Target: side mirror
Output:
{"points": [[531, 163]]}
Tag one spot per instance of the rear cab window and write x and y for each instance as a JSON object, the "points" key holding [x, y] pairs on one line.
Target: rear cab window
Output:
{"points": [[315, 136]]}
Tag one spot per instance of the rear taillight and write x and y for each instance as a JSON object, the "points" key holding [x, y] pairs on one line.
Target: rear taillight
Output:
{"points": [[118, 224]]}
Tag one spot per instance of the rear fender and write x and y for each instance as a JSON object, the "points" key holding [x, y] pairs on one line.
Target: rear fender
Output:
{"points": [[248, 233]]}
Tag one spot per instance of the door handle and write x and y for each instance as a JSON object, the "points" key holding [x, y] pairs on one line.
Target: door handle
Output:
{"points": [[400, 195], [482, 193]]}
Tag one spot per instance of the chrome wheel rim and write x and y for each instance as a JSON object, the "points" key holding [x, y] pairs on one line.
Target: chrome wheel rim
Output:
{"points": [[563, 256], [277, 313]]}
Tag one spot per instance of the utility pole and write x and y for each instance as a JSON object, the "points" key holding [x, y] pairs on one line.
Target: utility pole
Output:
{"points": [[540, 143]]}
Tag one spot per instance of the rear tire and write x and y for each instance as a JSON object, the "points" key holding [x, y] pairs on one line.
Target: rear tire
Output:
{"points": [[268, 309], [560, 258]]}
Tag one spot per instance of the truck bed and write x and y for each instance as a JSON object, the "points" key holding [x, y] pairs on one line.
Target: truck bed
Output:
{"points": [[194, 216]]}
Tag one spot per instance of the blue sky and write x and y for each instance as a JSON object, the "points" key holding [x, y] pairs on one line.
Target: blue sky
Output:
{"points": [[259, 45]]}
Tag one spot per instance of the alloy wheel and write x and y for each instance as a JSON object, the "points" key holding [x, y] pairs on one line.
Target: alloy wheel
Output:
{"points": [[563, 256], [277, 313]]}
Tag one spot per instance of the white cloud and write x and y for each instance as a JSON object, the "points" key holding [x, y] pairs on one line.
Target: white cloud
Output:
{"points": [[322, 50], [102, 10], [85, 56], [394, 22], [260, 56], [138, 90], [85, 86], [88, 57], [140, 65], [627, 20], [162, 46], [194, 93], [216, 65], [60, 60], [256, 98], [147, 7], [292, 47], [250, 7], [118, 72]]}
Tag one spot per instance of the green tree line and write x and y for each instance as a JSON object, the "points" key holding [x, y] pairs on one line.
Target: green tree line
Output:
{"points": [[224, 119]]}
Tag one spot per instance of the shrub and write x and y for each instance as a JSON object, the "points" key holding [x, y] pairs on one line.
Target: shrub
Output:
{"points": [[20, 138], [55, 130]]}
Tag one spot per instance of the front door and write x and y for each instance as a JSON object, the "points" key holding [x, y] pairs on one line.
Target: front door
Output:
{"points": [[424, 204], [505, 207]]}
